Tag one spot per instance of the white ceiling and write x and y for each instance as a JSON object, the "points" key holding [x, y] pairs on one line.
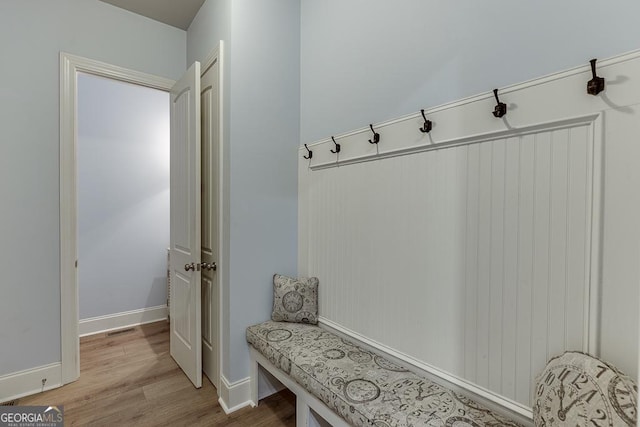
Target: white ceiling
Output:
{"points": [[175, 13]]}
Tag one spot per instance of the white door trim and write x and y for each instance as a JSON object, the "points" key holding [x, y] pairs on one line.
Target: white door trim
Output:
{"points": [[70, 65]]}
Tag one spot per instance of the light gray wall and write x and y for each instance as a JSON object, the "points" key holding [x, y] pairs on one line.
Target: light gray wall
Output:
{"points": [[123, 196], [211, 24], [32, 33], [265, 125], [365, 61], [262, 51]]}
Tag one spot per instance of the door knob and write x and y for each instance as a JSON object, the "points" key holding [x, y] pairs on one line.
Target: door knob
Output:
{"points": [[207, 266], [188, 267]]}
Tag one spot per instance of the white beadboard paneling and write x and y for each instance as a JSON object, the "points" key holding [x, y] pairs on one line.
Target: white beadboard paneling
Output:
{"points": [[476, 249], [466, 247], [483, 279], [510, 266], [471, 261], [524, 268], [496, 292], [541, 254], [559, 228], [578, 254]]}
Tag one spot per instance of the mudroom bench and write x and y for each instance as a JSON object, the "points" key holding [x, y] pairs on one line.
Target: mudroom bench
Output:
{"points": [[347, 385]]}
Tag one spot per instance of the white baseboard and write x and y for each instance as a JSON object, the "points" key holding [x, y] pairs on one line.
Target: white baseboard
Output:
{"points": [[28, 382], [110, 322], [234, 396]]}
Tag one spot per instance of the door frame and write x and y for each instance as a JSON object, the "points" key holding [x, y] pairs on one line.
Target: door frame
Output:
{"points": [[70, 66]]}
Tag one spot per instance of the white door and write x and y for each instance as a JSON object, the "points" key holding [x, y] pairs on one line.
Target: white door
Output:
{"points": [[186, 342], [210, 97]]}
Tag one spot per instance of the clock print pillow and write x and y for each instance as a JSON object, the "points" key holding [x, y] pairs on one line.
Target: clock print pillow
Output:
{"points": [[576, 390], [295, 300]]}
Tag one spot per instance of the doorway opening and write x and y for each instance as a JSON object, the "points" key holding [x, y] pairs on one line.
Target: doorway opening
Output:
{"points": [[123, 203], [71, 70]]}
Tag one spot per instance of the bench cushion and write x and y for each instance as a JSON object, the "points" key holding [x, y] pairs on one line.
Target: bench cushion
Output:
{"points": [[362, 387]]}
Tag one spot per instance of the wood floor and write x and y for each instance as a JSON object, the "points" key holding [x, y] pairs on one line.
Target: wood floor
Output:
{"points": [[130, 379]]}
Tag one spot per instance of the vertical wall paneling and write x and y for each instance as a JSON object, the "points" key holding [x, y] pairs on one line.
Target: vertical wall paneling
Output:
{"points": [[542, 159], [594, 211], [510, 265], [578, 206], [496, 297], [483, 279], [484, 248], [471, 261], [470, 258], [524, 268]]}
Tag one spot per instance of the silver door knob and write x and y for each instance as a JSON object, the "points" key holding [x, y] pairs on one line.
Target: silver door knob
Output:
{"points": [[209, 266], [188, 267]]}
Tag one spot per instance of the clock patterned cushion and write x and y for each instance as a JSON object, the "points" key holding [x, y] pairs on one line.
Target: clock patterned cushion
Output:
{"points": [[363, 387], [576, 390], [295, 300]]}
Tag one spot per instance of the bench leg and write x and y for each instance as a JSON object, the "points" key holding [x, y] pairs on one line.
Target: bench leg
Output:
{"points": [[302, 412], [254, 379]]}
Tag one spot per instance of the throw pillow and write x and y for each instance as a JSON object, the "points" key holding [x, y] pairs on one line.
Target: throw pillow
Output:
{"points": [[576, 389], [295, 300]]}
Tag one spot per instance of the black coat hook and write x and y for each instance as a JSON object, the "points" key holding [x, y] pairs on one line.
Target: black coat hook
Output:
{"points": [[376, 136], [337, 150], [428, 124], [596, 84], [500, 109], [310, 152]]}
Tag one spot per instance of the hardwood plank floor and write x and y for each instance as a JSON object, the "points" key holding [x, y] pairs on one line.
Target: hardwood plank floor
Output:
{"points": [[130, 379]]}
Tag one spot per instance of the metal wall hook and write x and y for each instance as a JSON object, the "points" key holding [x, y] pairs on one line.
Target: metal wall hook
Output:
{"points": [[310, 152], [337, 150], [500, 109], [428, 124], [376, 136], [596, 84]]}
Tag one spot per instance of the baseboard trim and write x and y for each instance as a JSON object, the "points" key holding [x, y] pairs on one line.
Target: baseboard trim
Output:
{"points": [[110, 322], [28, 382], [234, 396]]}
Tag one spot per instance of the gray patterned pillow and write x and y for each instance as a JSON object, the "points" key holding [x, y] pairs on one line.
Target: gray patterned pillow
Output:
{"points": [[295, 300], [576, 389]]}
